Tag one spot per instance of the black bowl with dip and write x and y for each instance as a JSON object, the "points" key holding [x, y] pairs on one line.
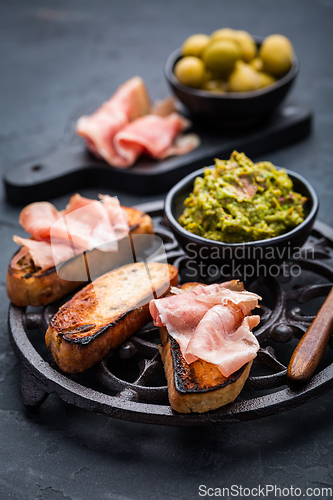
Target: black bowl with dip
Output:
{"points": [[231, 108], [268, 251]]}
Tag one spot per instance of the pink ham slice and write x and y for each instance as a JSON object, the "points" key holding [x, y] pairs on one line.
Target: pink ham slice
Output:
{"points": [[182, 145], [117, 215], [87, 223], [221, 340], [75, 202], [23, 256], [43, 253], [129, 102], [194, 304], [86, 227], [182, 314], [164, 107], [226, 293], [37, 219], [127, 125], [153, 135], [106, 219], [83, 225]]}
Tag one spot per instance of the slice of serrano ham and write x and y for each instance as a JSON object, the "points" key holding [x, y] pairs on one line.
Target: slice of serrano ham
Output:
{"points": [[102, 222], [165, 106], [151, 134], [117, 215], [43, 254], [207, 321], [127, 125], [86, 227], [223, 339], [37, 219], [60, 235], [75, 202], [129, 102]]}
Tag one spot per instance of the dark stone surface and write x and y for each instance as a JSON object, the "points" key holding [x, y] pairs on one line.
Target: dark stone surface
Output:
{"points": [[58, 59]]}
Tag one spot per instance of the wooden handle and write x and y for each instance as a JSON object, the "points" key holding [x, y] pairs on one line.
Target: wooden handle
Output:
{"points": [[312, 345]]}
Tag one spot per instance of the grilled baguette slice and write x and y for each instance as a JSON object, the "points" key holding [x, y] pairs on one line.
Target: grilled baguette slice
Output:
{"points": [[105, 313], [41, 287], [199, 387]]}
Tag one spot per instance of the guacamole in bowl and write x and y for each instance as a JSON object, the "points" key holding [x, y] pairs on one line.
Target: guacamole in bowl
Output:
{"points": [[237, 211], [240, 201]]}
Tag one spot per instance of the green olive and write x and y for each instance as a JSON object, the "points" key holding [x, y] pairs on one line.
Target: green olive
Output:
{"points": [[257, 64], [244, 78], [218, 86], [191, 71], [277, 54], [220, 56], [223, 33], [245, 41], [195, 44], [247, 44], [265, 79]]}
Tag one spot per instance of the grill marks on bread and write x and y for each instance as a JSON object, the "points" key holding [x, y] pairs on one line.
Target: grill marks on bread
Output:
{"points": [[105, 313]]}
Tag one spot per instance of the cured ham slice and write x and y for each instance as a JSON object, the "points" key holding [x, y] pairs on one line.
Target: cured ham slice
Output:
{"points": [[220, 338], [182, 145], [228, 294], [75, 202], [43, 254], [180, 314], [23, 256], [86, 227], [164, 107], [37, 219], [109, 207], [150, 134], [117, 215], [205, 322], [195, 303], [129, 102], [83, 225], [127, 126]]}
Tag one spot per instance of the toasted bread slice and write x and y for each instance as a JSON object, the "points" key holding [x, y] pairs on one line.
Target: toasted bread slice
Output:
{"points": [[105, 313], [200, 386], [37, 287]]}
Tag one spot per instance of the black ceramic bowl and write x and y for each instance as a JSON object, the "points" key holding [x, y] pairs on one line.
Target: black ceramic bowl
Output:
{"points": [[241, 108], [272, 250]]}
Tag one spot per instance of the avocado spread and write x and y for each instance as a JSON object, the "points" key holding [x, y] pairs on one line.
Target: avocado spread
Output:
{"points": [[240, 201]]}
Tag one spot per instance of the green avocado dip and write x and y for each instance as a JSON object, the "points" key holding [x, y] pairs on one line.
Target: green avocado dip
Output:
{"points": [[239, 201]]}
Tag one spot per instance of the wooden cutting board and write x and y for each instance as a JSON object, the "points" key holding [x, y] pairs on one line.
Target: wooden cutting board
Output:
{"points": [[71, 168]]}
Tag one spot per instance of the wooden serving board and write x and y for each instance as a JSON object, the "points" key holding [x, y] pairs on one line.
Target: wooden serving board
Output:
{"points": [[71, 168]]}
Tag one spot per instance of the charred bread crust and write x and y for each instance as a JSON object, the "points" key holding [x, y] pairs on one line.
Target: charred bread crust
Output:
{"points": [[39, 288], [200, 386], [139, 222], [75, 356], [36, 288], [78, 338]]}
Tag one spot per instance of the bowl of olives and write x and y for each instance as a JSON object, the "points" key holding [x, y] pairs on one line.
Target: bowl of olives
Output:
{"points": [[232, 77]]}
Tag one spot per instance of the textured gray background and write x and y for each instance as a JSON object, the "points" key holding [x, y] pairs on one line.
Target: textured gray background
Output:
{"points": [[58, 59]]}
